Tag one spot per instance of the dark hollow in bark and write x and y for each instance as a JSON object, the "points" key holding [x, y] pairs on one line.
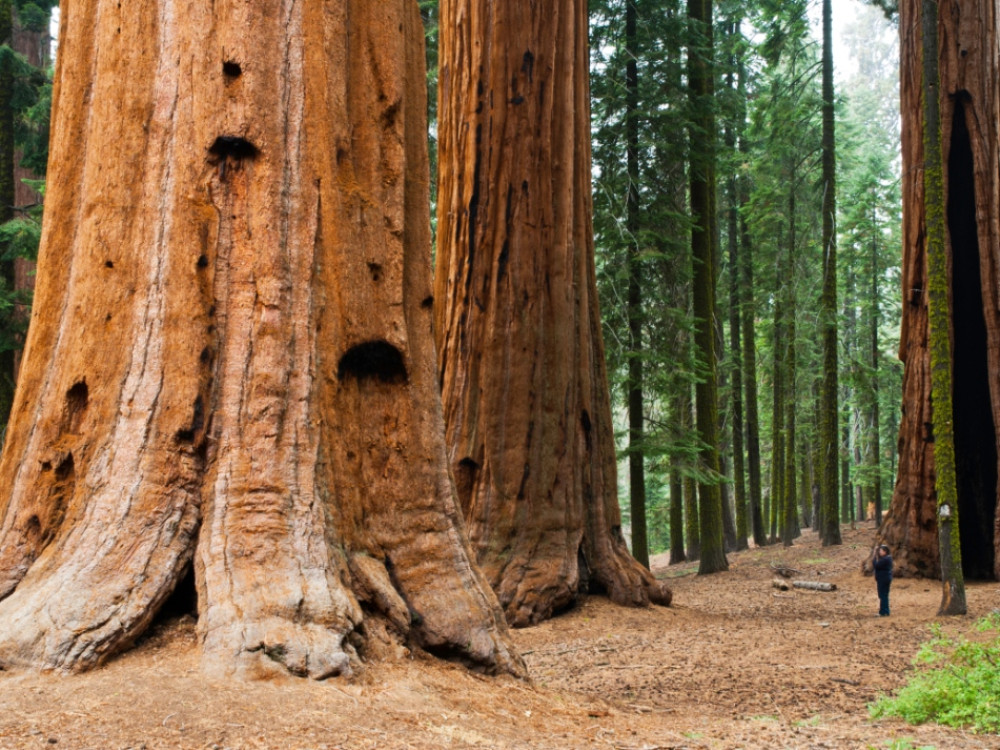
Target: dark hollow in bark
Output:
{"points": [[975, 442], [232, 147], [377, 360]]}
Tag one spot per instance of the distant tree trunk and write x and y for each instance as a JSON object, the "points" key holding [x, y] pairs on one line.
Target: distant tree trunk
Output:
{"points": [[736, 390], [875, 439], [817, 460], [676, 514], [789, 520], [692, 525], [846, 490], [859, 499], [702, 177], [636, 409], [749, 313], [728, 519], [805, 482], [970, 143], [777, 417], [525, 391], [230, 361], [829, 432]]}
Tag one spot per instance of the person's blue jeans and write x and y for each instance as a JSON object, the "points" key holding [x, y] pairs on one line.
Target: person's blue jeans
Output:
{"points": [[883, 597]]}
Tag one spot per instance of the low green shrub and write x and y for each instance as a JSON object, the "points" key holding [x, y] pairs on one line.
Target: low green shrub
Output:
{"points": [[958, 682]]}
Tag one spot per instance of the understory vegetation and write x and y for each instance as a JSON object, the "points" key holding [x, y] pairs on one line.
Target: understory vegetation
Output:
{"points": [[957, 682]]}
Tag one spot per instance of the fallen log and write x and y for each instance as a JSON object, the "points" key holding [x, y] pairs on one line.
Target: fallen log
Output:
{"points": [[783, 585], [815, 585]]}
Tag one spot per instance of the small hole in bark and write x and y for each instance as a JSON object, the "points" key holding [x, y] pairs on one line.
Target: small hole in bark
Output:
{"points": [[205, 356], [202, 261], [376, 271], [231, 69], [65, 469], [233, 147], [77, 395], [373, 360], [465, 480], [187, 434], [528, 63], [109, 264], [390, 114], [46, 466], [427, 303], [76, 404], [34, 526], [107, 318], [587, 428]]}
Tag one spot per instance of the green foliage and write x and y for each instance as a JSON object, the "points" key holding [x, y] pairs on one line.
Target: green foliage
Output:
{"points": [[33, 18], [20, 237], [31, 129], [900, 743], [429, 14], [958, 683]]}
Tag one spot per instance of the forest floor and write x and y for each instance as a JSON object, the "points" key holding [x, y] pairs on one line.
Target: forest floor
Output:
{"points": [[733, 664]]}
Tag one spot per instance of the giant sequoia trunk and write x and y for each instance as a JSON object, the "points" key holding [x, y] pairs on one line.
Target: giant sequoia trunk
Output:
{"points": [[230, 362], [969, 101], [519, 339]]}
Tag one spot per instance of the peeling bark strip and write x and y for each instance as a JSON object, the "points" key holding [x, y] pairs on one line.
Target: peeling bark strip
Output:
{"points": [[967, 32], [519, 339], [239, 387]]}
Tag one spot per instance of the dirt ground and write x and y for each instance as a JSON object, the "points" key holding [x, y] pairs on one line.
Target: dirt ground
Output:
{"points": [[733, 664]]}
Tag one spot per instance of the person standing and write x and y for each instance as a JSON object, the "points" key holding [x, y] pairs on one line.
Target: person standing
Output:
{"points": [[882, 563]]}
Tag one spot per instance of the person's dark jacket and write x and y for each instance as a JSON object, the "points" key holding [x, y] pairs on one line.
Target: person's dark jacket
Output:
{"points": [[883, 568]]}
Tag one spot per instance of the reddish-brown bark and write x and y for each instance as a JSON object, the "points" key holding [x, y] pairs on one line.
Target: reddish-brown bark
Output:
{"points": [[519, 339], [970, 119], [230, 361]]}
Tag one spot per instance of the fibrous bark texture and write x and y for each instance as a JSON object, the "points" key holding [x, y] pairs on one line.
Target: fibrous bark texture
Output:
{"points": [[519, 340], [968, 70], [230, 361]]}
